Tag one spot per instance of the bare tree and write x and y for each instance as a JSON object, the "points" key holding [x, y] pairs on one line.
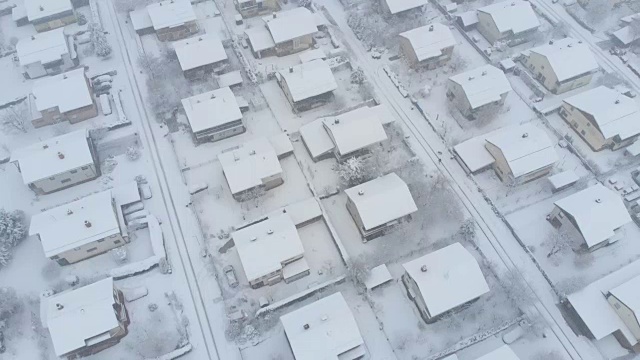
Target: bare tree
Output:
{"points": [[15, 118], [597, 10], [457, 63], [558, 241]]}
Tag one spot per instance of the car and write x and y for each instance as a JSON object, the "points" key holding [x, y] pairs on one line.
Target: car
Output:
{"points": [[230, 274]]}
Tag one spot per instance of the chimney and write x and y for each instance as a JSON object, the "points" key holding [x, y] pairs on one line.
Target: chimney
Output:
{"points": [[306, 326], [484, 73], [252, 152], [275, 15], [60, 155], [87, 223], [64, 76], [550, 42], [430, 27], [598, 200], [360, 192], [41, 8], [617, 101], [336, 121], [45, 146], [269, 232], [471, 78], [33, 37], [253, 238], [290, 69], [525, 135], [213, 96], [513, 4], [69, 212], [423, 268], [59, 306]]}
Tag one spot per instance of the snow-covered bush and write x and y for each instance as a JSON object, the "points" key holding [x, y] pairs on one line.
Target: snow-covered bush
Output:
{"points": [[12, 231], [133, 153], [99, 41], [357, 76], [10, 305], [14, 119], [354, 171], [82, 20]]}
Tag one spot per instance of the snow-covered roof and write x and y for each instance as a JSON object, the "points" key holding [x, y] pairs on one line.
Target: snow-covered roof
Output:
{"points": [[86, 313], [597, 212], [265, 246], [43, 47], [355, 130], [211, 109], [468, 18], [310, 55], [563, 179], [568, 58], [502, 353], [199, 51], [140, 19], [526, 148], [474, 153], [323, 330], [68, 91], [382, 200], [290, 24], [429, 41], [614, 114], [515, 16], [76, 224], [629, 294], [396, 6], [452, 278], [53, 156], [316, 139], [483, 85], [630, 18], [40, 9], [259, 38], [245, 167], [626, 35], [309, 79], [170, 13]]}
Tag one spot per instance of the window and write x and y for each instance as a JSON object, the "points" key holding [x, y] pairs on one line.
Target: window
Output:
{"points": [[73, 171], [64, 181], [92, 249], [84, 167], [574, 124], [55, 257], [588, 124]]}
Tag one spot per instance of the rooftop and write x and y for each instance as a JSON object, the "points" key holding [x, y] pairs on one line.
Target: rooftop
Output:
{"points": [[245, 167], [323, 330], [568, 58], [626, 35], [502, 353], [430, 40], [355, 130], [199, 51], [259, 38], [39, 9], [309, 79], [140, 19], [447, 278], [396, 6], [290, 24], [515, 16], [170, 13], [67, 92], [43, 47], [211, 109], [629, 294], [483, 85]]}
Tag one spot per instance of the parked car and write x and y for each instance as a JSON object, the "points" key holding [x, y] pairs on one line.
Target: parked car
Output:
{"points": [[230, 274]]}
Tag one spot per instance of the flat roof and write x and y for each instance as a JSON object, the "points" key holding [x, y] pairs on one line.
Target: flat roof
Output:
{"points": [[430, 40], [396, 6], [330, 330], [170, 13], [483, 85], [39, 9], [43, 47], [309, 79], [53, 156], [86, 312], [140, 19], [452, 278], [245, 167], [515, 16], [504, 352], [568, 58], [263, 247], [563, 179], [382, 200], [211, 109], [199, 51], [355, 129], [597, 212], [68, 91], [310, 55], [290, 24]]}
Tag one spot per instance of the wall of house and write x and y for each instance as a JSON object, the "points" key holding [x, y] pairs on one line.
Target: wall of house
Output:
{"points": [[416, 296], [487, 27], [456, 95], [56, 21], [253, 8], [542, 71], [407, 50], [53, 115], [573, 84], [65, 180], [626, 314], [273, 181], [202, 71], [37, 69], [212, 135], [294, 46], [584, 127], [178, 32], [500, 165], [90, 250]]}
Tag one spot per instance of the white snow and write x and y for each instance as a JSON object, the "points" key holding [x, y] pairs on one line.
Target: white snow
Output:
{"points": [[211, 109], [199, 51], [310, 55], [309, 79], [515, 16], [260, 38], [568, 58], [563, 179], [430, 40], [474, 153], [355, 130], [626, 35], [396, 6], [40, 9], [482, 85], [67, 92], [502, 353], [378, 275], [170, 13], [140, 19], [290, 24], [42, 48], [231, 78]]}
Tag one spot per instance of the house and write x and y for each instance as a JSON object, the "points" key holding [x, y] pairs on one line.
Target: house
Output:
{"points": [[467, 20], [522, 153], [428, 46], [504, 352], [379, 204], [478, 91], [141, 21], [200, 56], [63, 97], [79, 230], [86, 320], [443, 281], [254, 166], [596, 213], [284, 33], [57, 163], [625, 301], [271, 251], [604, 118], [214, 115], [394, 7], [173, 19], [307, 85], [324, 329], [46, 53], [510, 21], [562, 65], [47, 15], [612, 3], [251, 8], [626, 35]]}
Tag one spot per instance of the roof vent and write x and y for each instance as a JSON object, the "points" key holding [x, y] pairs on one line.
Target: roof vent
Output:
{"points": [[324, 318], [59, 306], [598, 200], [336, 121], [45, 146], [430, 27], [471, 78], [290, 69], [550, 42], [270, 232], [360, 192], [525, 135], [69, 212], [569, 45], [60, 155], [423, 268], [579, 41], [253, 238], [33, 37], [87, 223], [252, 152], [41, 8], [200, 38], [306, 326], [513, 4], [64, 76], [617, 101], [484, 73]]}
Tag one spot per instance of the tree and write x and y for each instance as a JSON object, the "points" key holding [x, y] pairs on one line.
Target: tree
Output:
{"points": [[357, 76], [99, 41], [12, 232], [10, 304], [15, 118], [597, 10], [354, 171], [127, 6]]}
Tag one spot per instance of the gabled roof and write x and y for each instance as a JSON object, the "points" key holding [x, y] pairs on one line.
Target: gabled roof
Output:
{"points": [[629, 294], [626, 35], [68, 91], [597, 212], [76, 224], [526, 148], [211, 109], [430, 40], [43, 47], [86, 312], [53, 156], [309, 79], [452, 278], [355, 130], [396, 6], [259, 38], [290, 24], [502, 353], [140, 19], [614, 114], [199, 51], [332, 329], [482, 85], [515, 16], [245, 167], [568, 58], [39, 9], [170, 13], [382, 200]]}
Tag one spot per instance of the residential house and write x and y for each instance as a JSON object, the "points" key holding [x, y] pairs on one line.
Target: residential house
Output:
{"points": [[379, 204], [86, 320], [562, 65], [596, 213], [504, 352], [57, 163], [443, 281], [284, 33], [603, 117], [522, 153], [173, 19], [324, 329], [63, 97], [271, 251], [201, 56], [141, 21], [251, 8], [46, 53], [46, 15], [511, 21], [613, 3], [428, 46], [625, 301], [307, 85], [394, 7], [214, 115], [478, 92], [626, 35], [252, 167]]}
